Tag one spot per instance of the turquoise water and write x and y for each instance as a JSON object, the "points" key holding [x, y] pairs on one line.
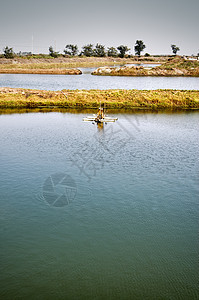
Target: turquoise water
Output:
{"points": [[99, 213]]}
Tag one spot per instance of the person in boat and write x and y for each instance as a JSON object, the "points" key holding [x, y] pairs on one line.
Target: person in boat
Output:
{"points": [[100, 114]]}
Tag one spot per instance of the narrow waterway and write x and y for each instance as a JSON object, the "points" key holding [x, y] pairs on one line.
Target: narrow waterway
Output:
{"points": [[88, 81]]}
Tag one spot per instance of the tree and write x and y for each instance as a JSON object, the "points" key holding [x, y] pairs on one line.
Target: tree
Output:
{"points": [[139, 47], [175, 49], [8, 52], [71, 50], [99, 50], [52, 52], [122, 49], [112, 52], [88, 50]]}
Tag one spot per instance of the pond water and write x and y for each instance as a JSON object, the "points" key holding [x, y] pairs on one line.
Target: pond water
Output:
{"points": [[99, 213], [88, 81]]}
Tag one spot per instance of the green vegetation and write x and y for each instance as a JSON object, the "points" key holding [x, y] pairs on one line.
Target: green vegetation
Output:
{"points": [[122, 49], [139, 47], [99, 51], [155, 99], [8, 52], [88, 50], [71, 50], [30, 56], [112, 52], [52, 52], [175, 49]]}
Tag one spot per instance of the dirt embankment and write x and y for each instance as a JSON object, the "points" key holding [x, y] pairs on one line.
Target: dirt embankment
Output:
{"points": [[80, 60], [174, 67], [42, 71]]}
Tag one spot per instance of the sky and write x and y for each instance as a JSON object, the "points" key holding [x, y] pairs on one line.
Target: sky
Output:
{"points": [[27, 25]]}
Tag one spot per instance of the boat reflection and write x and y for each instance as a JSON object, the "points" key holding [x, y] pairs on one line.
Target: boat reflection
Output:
{"points": [[100, 126]]}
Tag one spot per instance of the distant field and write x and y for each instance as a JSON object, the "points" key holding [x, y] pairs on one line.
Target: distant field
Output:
{"points": [[73, 62], [170, 66]]}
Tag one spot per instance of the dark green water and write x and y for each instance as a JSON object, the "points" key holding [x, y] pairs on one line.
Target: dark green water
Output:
{"points": [[99, 213]]}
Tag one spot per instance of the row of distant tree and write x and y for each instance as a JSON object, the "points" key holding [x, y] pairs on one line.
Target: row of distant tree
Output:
{"points": [[89, 50], [98, 51], [101, 51]]}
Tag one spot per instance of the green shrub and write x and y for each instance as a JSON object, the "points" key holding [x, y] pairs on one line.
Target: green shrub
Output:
{"points": [[8, 52]]}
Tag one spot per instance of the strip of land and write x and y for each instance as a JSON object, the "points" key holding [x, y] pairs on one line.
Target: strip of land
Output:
{"points": [[73, 62], [129, 99], [64, 65], [42, 71], [170, 66], [173, 67]]}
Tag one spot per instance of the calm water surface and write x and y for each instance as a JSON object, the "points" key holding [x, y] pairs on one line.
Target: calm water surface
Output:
{"points": [[99, 213], [88, 81]]}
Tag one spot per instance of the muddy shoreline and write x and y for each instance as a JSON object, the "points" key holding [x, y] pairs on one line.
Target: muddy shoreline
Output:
{"points": [[42, 71]]}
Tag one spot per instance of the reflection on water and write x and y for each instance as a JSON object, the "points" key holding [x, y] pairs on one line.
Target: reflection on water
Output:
{"points": [[127, 227], [88, 81], [100, 126], [90, 111]]}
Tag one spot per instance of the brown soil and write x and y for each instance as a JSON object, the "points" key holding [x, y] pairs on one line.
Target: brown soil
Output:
{"points": [[173, 67], [42, 71], [79, 60]]}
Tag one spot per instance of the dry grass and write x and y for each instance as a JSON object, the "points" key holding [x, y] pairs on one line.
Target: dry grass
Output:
{"points": [[155, 99], [73, 62], [174, 67]]}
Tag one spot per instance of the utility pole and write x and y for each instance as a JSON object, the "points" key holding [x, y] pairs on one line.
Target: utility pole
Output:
{"points": [[32, 44]]}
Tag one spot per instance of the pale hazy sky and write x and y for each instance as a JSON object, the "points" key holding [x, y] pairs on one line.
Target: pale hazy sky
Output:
{"points": [[158, 23]]}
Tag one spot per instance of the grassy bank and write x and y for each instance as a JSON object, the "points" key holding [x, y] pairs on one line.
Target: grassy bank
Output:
{"points": [[71, 62], [153, 99], [174, 67]]}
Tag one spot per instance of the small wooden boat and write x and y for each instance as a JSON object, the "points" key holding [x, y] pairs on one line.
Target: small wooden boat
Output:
{"points": [[100, 117]]}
